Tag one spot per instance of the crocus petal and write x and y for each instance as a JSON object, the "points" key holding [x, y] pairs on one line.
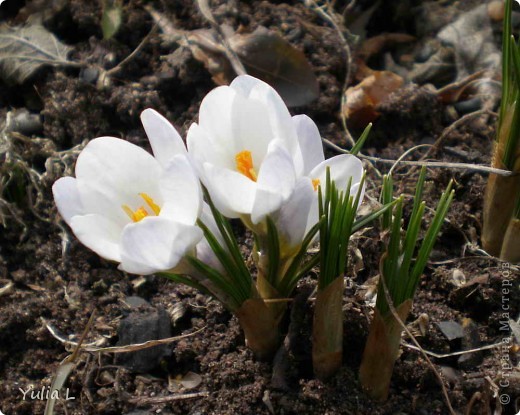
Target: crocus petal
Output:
{"points": [[276, 180], [231, 192], [98, 233], [251, 126], [310, 142], [278, 116], [203, 249], [257, 90], [112, 172], [215, 116], [341, 169], [164, 138], [202, 149], [293, 219], [181, 191], [156, 244], [66, 196]]}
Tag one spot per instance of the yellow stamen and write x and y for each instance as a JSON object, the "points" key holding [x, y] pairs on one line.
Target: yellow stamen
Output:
{"points": [[149, 201], [244, 161], [128, 211], [136, 216], [141, 212], [315, 184]]}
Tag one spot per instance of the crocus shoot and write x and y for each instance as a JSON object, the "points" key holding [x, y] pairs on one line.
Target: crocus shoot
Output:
{"points": [[501, 219], [401, 267], [337, 207], [263, 166]]}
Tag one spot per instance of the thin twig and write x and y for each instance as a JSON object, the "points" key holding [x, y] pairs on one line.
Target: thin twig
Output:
{"points": [[348, 58], [414, 340], [405, 154], [139, 47], [433, 164], [92, 348], [139, 346], [154, 400], [448, 130], [231, 55], [445, 355]]}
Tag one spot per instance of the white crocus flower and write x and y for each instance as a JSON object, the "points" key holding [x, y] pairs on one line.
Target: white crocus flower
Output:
{"points": [[131, 207], [300, 213], [246, 149]]}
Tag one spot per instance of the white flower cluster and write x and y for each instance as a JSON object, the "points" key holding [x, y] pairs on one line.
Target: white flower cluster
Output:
{"points": [[254, 159]]}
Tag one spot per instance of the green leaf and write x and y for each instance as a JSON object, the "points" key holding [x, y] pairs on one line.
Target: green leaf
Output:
{"points": [[111, 19], [365, 220], [296, 270], [186, 280], [273, 249], [338, 208], [401, 270], [361, 140], [386, 198]]}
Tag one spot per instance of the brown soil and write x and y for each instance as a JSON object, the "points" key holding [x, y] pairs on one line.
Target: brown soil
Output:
{"points": [[59, 282]]}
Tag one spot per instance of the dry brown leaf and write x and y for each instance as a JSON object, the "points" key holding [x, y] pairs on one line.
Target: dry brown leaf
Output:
{"points": [[24, 50], [363, 98], [269, 57], [263, 53], [376, 44]]}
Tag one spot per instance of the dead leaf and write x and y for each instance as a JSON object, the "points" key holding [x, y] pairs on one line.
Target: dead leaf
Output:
{"points": [[363, 98], [263, 53], [25, 49], [35, 287], [269, 57], [111, 19], [266, 56], [376, 44], [191, 380], [37, 11]]}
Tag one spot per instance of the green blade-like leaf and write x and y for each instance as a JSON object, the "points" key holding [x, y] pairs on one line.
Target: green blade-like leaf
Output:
{"points": [[361, 141], [365, 220], [183, 279], [294, 272], [273, 247], [431, 234]]}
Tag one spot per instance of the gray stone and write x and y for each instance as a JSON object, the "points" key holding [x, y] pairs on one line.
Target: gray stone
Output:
{"points": [[139, 327]]}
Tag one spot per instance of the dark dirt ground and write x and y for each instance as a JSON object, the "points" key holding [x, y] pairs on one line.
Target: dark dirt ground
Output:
{"points": [[56, 281]]}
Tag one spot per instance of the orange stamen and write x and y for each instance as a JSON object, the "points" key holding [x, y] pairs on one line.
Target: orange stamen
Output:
{"points": [[244, 161], [149, 201], [315, 184], [141, 212]]}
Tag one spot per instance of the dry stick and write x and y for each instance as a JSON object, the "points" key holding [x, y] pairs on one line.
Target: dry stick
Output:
{"points": [[139, 346], [476, 397], [448, 130], [348, 57], [139, 47], [153, 400], [433, 164], [445, 355], [414, 340], [237, 65], [91, 348], [405, 154]]}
